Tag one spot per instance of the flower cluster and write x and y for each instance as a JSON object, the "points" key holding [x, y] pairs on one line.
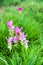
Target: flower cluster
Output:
{"points": [[19, 35]]}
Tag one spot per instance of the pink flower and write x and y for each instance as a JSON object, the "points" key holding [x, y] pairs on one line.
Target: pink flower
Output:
{"points": [[15, 39], [26, 42], [9, 40], [17, 30], [10, 25], [20, 9], [22, 36], [11, 28]]}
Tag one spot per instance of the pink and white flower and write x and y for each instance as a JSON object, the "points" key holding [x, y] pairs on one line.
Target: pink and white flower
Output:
{"points": [[15, 39], [22, 36], [17, 30], [10, 26], [9, 40]]}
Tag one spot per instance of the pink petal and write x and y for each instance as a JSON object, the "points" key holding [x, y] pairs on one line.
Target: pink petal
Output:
{"points": [[11, 27], [26, 42], [15, 39], [17, 30], [9, 40], [22, 36], [9, 23]]}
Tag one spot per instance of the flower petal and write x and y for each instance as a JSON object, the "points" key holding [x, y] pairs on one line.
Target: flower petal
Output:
{"points": [[15, 39]]}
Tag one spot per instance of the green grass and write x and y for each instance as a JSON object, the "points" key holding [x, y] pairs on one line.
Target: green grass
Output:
{"points": [[16, 2], [32, 56], [31, 20]]}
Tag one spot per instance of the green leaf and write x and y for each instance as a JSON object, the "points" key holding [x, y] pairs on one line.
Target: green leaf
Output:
{"points": [[3, 60]]}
